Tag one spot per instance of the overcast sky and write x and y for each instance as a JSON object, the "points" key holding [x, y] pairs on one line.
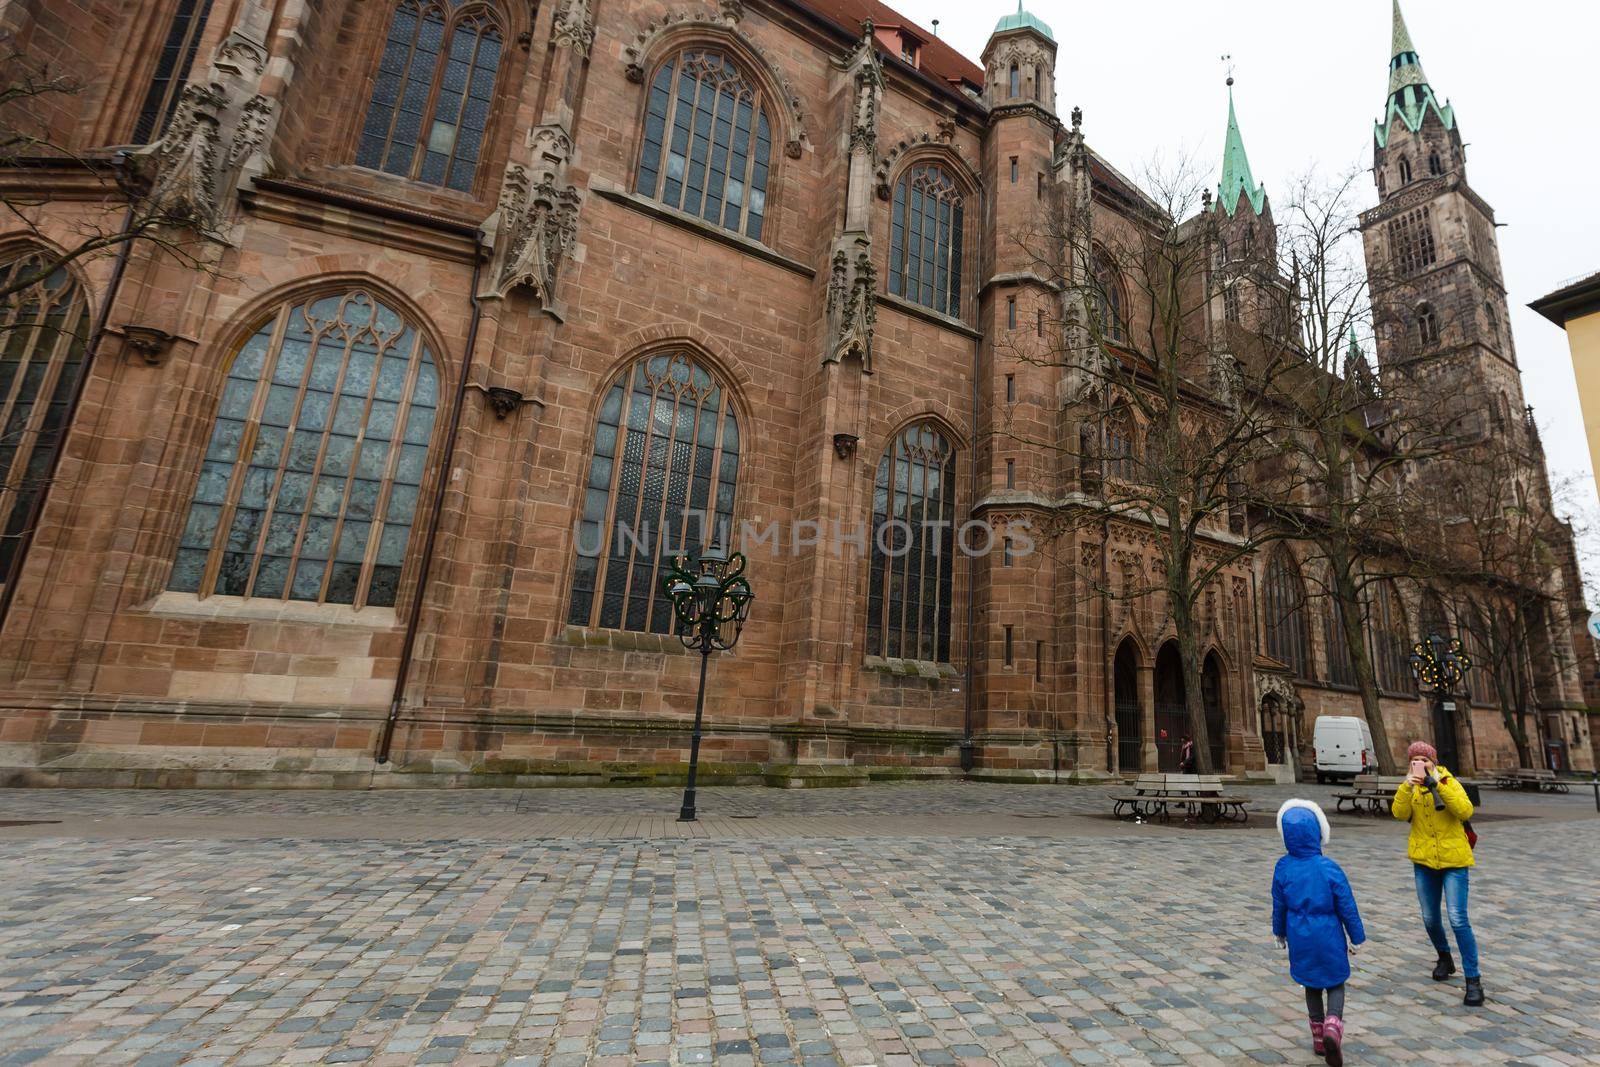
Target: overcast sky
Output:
{"points": [[1310, 77]]}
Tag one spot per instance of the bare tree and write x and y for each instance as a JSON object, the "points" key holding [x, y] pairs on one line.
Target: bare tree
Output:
{"points": [[1170, 420]]}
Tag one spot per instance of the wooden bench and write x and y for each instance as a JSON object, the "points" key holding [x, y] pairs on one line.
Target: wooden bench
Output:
{"points": [[1525, 778], [1369, 794], [1199, 795]]}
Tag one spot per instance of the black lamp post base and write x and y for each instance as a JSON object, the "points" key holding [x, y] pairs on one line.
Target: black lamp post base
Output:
{"points": [[686, 813]]}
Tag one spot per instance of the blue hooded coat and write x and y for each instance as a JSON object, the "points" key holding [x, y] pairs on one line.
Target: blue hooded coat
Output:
{"points": [[1312, 906]]}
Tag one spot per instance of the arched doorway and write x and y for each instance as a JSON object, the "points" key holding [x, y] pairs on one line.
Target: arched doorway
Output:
{"points": [[1171, 720], [1130, 717], [1216, 717]]}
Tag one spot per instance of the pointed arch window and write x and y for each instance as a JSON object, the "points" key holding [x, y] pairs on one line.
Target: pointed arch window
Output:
{"points": [[661, 482], [310, 482], [1427, 325], [926, 227], [1016, 81], [707, 142], [43, 330], [1230, 303], [1435, 165], [1108, 296], [1405, 171], [433, 93], [173, 63], [1284, 604], [913, 548], [1391, 638], [1491, 317], [1122, 445]]}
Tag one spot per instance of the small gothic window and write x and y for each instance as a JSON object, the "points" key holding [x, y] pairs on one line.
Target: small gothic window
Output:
{"points": [[172, 69], [45, 326], [707, 142], [1493, 321], [1383, 186], [1405, 171], [1016, 81], [1036, 81], [661, 482], [913, 548], [1122, 445], [1434, 165], [925, 237], [1011, 313], [1427, 325], [1249, 238], [1230, 303], [1108, 297], [310, 483], [1222, 248], [1013, 170], [431, 98]]}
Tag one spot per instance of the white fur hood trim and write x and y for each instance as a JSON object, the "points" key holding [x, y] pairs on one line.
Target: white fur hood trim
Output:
{"points": [[1309, 805]]}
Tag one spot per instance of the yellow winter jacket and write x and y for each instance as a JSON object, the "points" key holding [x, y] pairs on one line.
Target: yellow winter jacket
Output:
{"points": [[1437, 839]]}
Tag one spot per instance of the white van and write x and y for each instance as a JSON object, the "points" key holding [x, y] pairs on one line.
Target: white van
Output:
{"points": [[1343, 746]]}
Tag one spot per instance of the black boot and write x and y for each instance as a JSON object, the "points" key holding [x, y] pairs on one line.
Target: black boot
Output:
{"points": [[1474, 997], [1445, 967]]}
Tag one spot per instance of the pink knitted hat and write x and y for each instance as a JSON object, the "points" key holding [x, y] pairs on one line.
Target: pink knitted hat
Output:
{"points": [[1423, 749]]}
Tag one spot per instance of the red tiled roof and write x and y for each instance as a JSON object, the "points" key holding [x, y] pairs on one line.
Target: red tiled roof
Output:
{"points": [[938, 59]]}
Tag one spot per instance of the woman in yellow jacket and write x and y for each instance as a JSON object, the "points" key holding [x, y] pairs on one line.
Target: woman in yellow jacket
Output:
{"points": [[1432, 800]]}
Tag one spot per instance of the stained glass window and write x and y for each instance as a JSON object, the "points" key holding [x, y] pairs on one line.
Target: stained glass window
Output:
{"points": [[661, 482], [925, 235], [707, 142], [913, 548], [172, 69], [43, 329], [310, 482], [1284, 605], [431, 98]]}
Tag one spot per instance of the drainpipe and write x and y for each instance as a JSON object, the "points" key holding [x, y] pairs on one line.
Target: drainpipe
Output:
{"points": [[414, 615], [36, 509], [968, 753]]}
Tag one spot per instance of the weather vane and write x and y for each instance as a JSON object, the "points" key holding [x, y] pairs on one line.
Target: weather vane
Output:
{"points": [[1228, 59]]}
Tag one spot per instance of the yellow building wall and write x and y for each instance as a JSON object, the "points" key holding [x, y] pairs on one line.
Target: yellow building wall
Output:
{"points": [[1583, 335]]}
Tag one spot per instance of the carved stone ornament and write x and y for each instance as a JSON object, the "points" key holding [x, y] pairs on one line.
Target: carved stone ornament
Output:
{"points": [[573, 26], [239, 54], [502, 401], [852, 304], [867, 74], [193, 169], [1276, 685], [535, 227], [844, 445], [148, 343]]}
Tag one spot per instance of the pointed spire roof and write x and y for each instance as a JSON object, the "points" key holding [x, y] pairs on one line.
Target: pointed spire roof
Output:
{"points": [[1236, 177], [1410, 96]]}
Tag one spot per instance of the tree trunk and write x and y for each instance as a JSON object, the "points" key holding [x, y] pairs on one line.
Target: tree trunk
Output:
{"points": [[1344, 591], [1189, 655]]}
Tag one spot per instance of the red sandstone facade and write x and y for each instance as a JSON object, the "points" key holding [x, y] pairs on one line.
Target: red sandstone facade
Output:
{"points": [[536, 286]]}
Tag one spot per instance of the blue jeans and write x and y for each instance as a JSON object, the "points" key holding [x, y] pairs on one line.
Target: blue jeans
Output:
{"points": [[1452, 884]]}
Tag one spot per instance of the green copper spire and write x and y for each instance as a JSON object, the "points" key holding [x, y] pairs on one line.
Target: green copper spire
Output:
{"points": [[1023, 20], [1236, 177], [1410, 96]]}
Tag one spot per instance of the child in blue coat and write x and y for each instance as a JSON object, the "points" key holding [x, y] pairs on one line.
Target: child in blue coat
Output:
{"points": [[1313, 911]]}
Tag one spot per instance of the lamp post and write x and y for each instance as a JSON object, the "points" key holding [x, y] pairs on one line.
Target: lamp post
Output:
{"points": [[1441, 665], [710, 602]]}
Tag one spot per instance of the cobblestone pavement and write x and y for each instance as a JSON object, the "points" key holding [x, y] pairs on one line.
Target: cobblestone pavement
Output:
{"points": [[909, 924]]}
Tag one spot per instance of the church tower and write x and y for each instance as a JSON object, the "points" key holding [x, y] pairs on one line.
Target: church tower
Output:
{"points": [[1433, 262], [1249, 290]]}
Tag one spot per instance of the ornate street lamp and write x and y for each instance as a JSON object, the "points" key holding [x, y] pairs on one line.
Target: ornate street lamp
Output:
{"points": [[710, 602], [1439, 664]]}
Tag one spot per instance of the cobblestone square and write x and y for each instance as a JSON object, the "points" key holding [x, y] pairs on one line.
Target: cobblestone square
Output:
{"points": [[912, 924]]}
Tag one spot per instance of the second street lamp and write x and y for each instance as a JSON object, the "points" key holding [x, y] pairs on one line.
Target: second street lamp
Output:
{"points": [[1441, 665], [710, 602]]}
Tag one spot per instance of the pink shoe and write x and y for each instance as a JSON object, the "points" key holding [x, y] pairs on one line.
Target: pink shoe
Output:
{"points": [[1316, 1038], [1332, 1039]]}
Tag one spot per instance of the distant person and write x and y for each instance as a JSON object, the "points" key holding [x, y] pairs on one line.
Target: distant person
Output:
{"points": [[1186, 756], [1440, 848], [1314, 915]]}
